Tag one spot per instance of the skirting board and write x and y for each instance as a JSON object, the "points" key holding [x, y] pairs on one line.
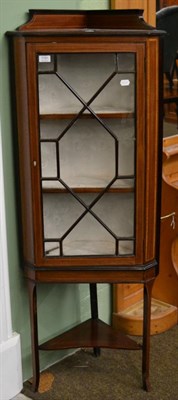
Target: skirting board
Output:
{"points": [[10, 367]]}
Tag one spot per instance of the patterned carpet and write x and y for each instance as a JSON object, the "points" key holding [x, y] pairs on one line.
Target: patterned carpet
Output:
{"points": [[115, 375]]}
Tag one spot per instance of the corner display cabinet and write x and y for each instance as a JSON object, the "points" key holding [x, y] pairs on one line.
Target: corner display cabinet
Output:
{"points": [[88, 120]]}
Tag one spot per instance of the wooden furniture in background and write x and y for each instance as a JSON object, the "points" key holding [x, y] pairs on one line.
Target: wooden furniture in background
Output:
{"points": [[149, 7], [167, 3], [128, 300], [170, 99], [88, 106], [166, 287], [167, 20]]}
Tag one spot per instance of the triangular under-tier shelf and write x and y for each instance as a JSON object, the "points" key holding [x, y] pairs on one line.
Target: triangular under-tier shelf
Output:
{"points": [[91, 333], [130, 321]]}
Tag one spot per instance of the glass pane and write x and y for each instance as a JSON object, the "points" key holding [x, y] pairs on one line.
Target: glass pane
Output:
{"points": [[87, 144], [126, 247], [46, 63], [126, 62], [51, 249], [124, 130], [48, 160], [55, 97], [52, 128], [91, 151], [124, 183], [89, 237], [118, 95], [79, 70], [126, 157], [117, 212], [60, 211]]}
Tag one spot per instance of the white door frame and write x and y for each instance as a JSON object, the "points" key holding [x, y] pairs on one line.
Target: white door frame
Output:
{"points": [[10, 351]]}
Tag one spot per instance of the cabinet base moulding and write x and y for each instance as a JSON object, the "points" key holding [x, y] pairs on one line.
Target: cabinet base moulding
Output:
{"points": [[130, 321]]}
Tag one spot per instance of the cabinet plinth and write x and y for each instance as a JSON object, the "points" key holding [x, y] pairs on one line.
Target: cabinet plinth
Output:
{"points": [[88, 96]]}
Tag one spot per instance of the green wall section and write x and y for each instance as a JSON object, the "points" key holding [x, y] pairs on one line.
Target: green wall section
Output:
{"points": [[60, 306]]}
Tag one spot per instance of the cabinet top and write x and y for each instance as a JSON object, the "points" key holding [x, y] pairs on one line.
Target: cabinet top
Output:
{"points": [[61, 22]]}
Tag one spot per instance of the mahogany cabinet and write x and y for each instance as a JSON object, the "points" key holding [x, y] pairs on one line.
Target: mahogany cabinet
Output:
{"points": [[89, 132]]}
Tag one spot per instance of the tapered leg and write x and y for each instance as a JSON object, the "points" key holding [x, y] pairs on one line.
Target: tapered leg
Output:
{"points": [[94, 310], [146, 335], [34, 334]]}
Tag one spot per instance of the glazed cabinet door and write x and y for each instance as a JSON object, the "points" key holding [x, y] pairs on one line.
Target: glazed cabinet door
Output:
{"points": [[87, 132]]}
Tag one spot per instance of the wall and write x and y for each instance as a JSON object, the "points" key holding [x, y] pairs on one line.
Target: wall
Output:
{"points": [[60, 307]]}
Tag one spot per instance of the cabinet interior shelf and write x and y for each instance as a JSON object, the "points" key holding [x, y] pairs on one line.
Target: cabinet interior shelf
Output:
{"points": [[126, 184], [89, 190], [85, 115]]}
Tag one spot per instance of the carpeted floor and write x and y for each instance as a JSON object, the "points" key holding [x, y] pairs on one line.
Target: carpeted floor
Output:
{"points": [[115, 375]]}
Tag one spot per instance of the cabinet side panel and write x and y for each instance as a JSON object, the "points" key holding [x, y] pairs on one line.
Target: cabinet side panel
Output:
{"points": [[153, 150], [24, 148]]}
